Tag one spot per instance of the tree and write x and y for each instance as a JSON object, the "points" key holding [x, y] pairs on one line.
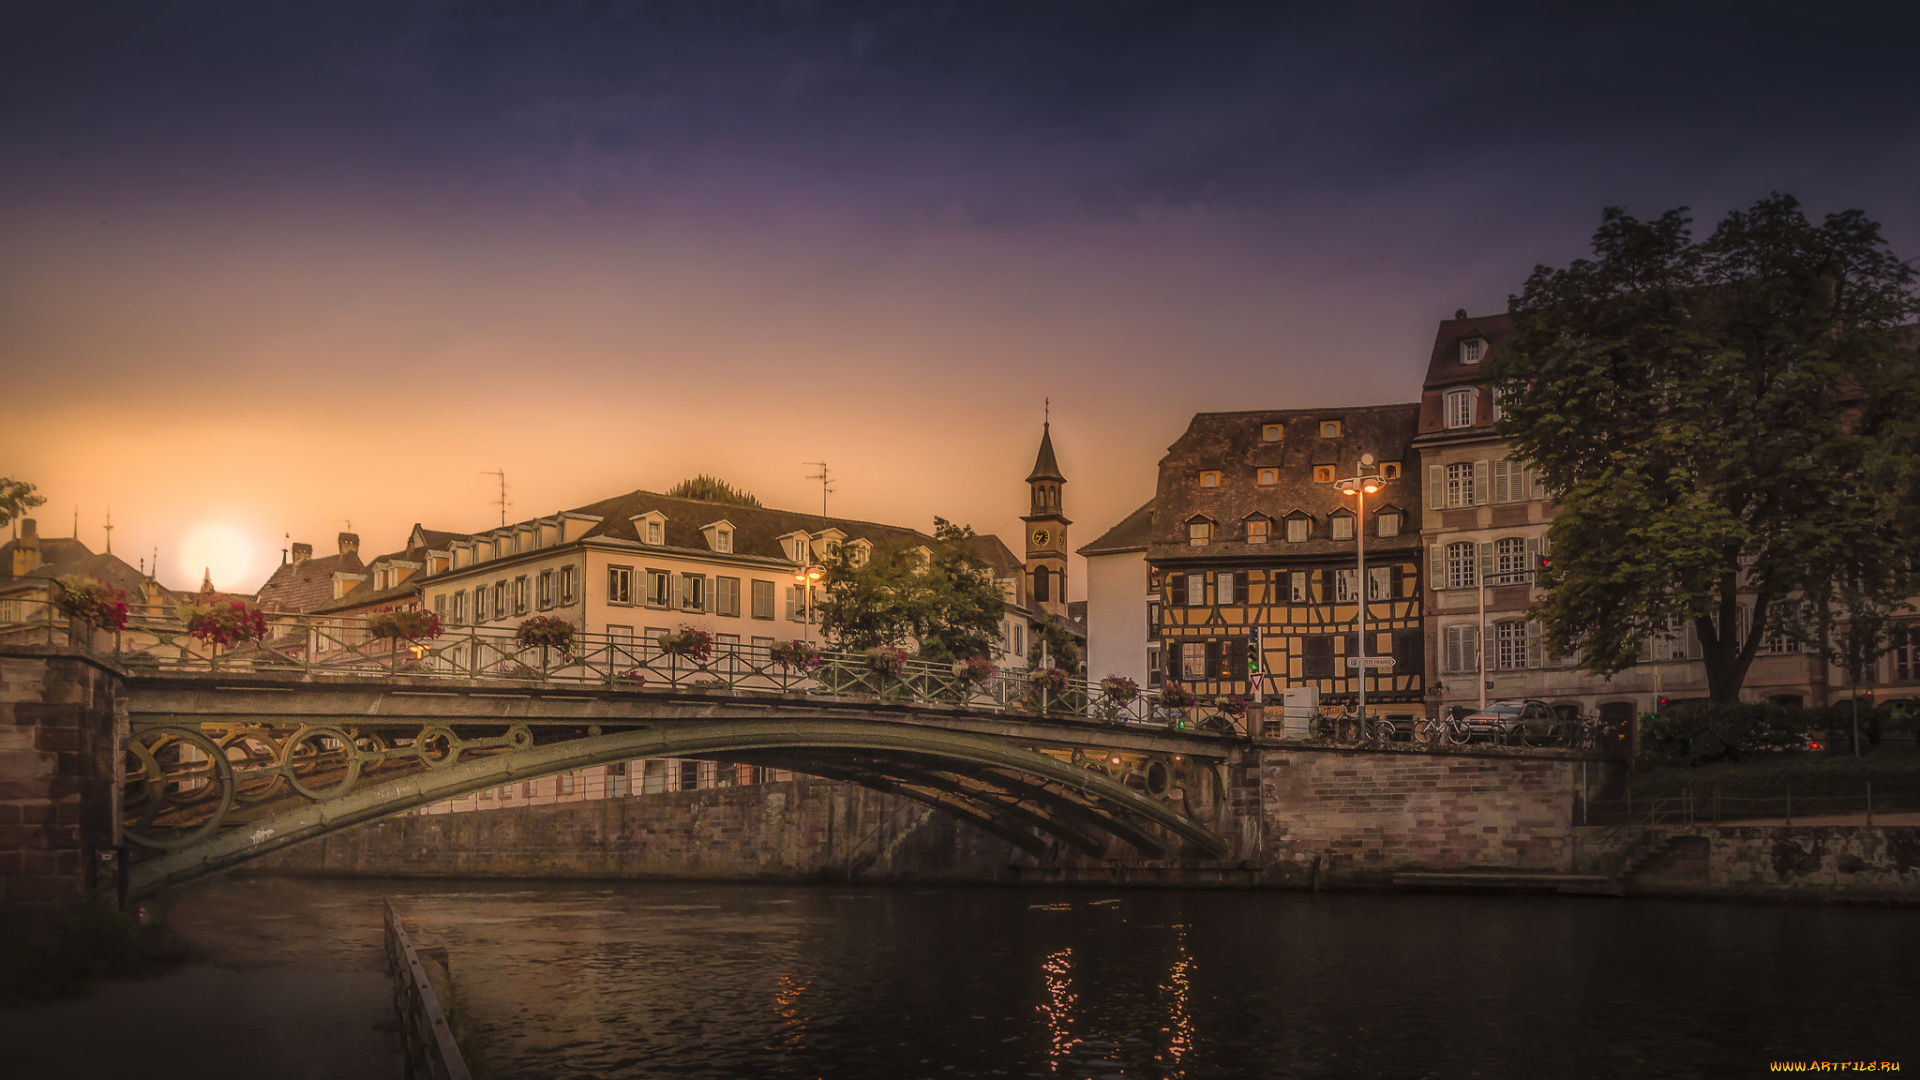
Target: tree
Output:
{"points": [[949, 603], [1061, 647], [1727, 419], [712, 489], [1847, 626], [16, 498]]}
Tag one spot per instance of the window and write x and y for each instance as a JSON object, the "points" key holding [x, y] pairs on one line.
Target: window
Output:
{"points": [[1510, 645], [621, 640], [723, 540], [1199, 533], [1193, 660], [459, 608], [1042, 580], [1388, 523], [727, 643], [1210, 479], [500, 608], [1223, 589], [762, 599], [1196, 590], [567, 586], [440, 607], [1472, 350], [1297, 587], [1345, 586], [1257, 530], [619, 584], [544, 593], [726, 596], [1510, 559], [1390, 470], [656, 532], [1500, 396], [761, 645], [566, 783], [1316, 657], [1272, 433], [1512, 481], [1905, 643], [522, 591], [480, 604], [1460, 408], [1460, 484], [1342, 526], [657, 588], [1297, 529], [1323, 474], [1019, 640], [1268, 477], [1462, 648], [693, 592], [1461, 571], [1379, 582], [1330, 429]]}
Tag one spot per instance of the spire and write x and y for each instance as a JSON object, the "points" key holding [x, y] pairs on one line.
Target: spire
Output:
{"points": [[206, 582], [1044, 466]]}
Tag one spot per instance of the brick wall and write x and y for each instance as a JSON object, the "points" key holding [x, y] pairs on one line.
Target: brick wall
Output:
{"points": [[61, 718], [1831, 862]]}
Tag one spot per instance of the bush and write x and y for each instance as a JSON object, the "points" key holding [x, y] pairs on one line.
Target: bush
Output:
{"points": [[1700, 733], [90, 942]]}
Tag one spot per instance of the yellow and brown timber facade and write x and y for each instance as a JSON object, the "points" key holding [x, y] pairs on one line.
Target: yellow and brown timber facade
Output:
{"points": [[1251, 532]]}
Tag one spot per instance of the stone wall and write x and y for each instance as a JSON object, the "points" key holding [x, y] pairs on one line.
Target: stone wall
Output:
{"points": [[1333, 817], [62, 716], [803, 829], [1831, 862]]}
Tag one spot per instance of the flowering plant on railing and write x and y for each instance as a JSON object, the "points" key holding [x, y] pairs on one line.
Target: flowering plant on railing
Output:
{"points": [[546, 632], [517, 670], [1119, 689], [1050, 679], [887, 660], [1175, 696], [90, 600], [222, 620], [404, 624], [1231, 705], [689, 642], [796, 655], [978, 670], [635, 678]]}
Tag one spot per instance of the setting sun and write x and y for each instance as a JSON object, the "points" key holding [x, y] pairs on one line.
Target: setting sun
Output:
{"points": [[219, 549]]}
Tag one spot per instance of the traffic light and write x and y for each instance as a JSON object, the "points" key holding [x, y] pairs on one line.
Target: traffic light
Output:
{"points": [[1253, 657], [1545, 563]]}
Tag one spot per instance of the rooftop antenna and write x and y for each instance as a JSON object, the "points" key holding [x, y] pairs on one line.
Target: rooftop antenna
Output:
{"points": [[109, 530], [502, 502], [826, 485], [288, 537], [76, 521]]}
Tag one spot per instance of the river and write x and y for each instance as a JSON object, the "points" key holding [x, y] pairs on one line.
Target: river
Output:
{"points": [[735, 981]]}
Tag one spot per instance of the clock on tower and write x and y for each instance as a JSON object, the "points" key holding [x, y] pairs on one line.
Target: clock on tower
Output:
{"points": [[1046, 533]]}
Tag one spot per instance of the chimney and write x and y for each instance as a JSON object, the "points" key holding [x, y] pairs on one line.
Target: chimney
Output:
{"points": [[26, 550], [301, 553], [349, 543]]}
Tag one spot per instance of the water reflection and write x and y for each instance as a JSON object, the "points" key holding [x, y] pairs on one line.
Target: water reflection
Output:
{"points": [[790, 1035], [1057, 970], [1179, 988]]}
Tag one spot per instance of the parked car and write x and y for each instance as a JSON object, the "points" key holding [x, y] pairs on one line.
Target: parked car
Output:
{"points": [[1513, 721]]}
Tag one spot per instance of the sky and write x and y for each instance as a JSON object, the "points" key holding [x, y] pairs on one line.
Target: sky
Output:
{"points": [[266, 270]]}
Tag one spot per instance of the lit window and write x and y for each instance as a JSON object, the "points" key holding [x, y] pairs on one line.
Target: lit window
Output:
{"points": [[1269, 477], [1330, 429], [1343, 527], [1193, 660], [1390, 470], [1460, 408], [1257, 530], [1210, 479], [1199, 533], [1462, 573], [1323, 474], [1472, 350], [1272, 433], [1297, 530], [1388, 524]]}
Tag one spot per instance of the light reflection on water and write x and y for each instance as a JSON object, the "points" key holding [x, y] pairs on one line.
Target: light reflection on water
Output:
{"points": [[719, 981]]}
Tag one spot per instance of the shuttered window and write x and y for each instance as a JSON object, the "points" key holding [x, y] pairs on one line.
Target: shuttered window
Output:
{"points": [[1461, 648], [1316, 657], [763, 599], [726, 596]]}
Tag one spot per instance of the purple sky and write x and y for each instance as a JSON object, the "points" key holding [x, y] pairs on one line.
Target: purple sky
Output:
{"points": [[269, 268]]}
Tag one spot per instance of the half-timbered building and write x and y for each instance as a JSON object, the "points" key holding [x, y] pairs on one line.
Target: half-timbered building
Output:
{"points": [[1251, 532]]}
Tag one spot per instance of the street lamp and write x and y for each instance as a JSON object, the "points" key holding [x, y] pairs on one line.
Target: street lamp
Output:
{"points": [[805, 579], [1361, 486]]}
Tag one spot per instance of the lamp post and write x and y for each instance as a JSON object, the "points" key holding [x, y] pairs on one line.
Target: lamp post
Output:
{"points": [[1361, 486], [805, 579]]}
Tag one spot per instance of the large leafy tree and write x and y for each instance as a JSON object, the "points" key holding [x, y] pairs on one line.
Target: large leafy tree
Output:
{"points": [[1725, 422], [16, 498], [712, 489], [948, 604]]}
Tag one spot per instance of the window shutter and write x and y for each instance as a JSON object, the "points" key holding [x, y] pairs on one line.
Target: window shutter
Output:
{"points": [[1237, 659], [1436, 486], [1480, 471], [1399, 581], [1502, 481], [1535, 648], [1177, 590], [1327, 578], [1437, 568], [1533, 558], [1213, 659], [1693, 641], [1486, 562]]}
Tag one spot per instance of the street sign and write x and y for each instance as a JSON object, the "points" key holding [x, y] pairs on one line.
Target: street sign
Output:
{"points": [[1372, 661]]}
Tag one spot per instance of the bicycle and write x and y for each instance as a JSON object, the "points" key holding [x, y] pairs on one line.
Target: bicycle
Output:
{"points": [[1441, 732]]}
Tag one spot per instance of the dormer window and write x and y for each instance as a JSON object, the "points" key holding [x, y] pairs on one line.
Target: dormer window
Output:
{"points": [[860, 552], [1268, 477], [1272, 433], [1199, 532], [1459, 408], [656, 532], [1330, 429], [1389, 470], [1471, 350], [1257, 530], [651, 528], [1210, 478], [1388, 522], [1323, 474], [723, 540], [1342, 526], [1299, 527]]}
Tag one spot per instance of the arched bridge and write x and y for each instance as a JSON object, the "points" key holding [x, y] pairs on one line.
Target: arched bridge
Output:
{"points": [[228, 762]]}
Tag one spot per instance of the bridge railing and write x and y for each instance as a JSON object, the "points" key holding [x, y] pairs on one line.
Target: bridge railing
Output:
{"points": [[347, 647]]}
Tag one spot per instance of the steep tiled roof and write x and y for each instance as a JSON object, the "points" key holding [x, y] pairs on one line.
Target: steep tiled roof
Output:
{"points": [[1044, 466], [757, 529], [1446, 371], [1233, 444], [1134, 533], [303, 586]]}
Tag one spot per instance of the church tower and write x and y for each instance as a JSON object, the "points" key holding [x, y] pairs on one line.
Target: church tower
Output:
{"points": [[1046, 534]]}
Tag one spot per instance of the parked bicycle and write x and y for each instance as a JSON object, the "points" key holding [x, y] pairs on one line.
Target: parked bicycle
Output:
{"points": [[1447, 730]]}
